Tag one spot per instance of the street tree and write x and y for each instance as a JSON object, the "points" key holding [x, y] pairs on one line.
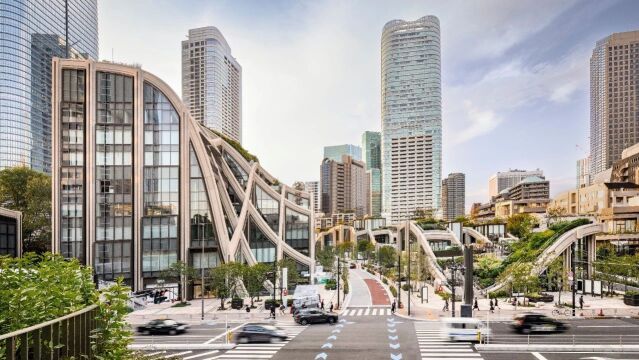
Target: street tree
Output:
{"points": [[365, 247], [387, 256], [224, 279], [29, 191], [344, 247], [326, 257], [521, 225], [182, 274], [291, 266], [254, 277]]}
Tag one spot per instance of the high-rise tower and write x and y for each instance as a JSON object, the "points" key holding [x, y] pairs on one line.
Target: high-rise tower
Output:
{"points": [[411, 117], [372, 151], [212, 82], [614, 98]]}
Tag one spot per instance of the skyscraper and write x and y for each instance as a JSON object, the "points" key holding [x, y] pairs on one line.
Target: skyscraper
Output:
{"points": [[614, 111], [411, 117], [507, 179], [344, 186], [453, 196], [372, 151], [335, 152], [312, 187], [583, 172], [212, 82], [33, 32]]}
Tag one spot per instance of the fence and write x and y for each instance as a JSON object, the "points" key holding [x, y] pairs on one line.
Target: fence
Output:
{"points": [[61, 338]]}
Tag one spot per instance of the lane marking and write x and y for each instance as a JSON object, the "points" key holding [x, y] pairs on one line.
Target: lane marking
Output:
{"points": [[607, 326], [200, 355], [178, 354], [224, 333], [367, 311], [539, 356]]}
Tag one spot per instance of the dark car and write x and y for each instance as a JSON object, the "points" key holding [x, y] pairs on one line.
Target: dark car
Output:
{"points": [[166, 326], [315, 316], [259, 333], [353, 266], [531, 322]]}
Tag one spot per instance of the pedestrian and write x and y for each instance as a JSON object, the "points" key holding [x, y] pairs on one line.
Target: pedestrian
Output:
{"points": [[273, 311], [282, 308], [445, 305], [476, 305], [393, 307], [581, 302], [322, 305], [492, 307], [248, 309], [496, 303]]}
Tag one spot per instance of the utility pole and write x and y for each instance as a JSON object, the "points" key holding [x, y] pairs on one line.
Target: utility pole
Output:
{"points": [[338, 276], [407, 238], [452, 271], [399, 279], [202, 269], [573, 268]]}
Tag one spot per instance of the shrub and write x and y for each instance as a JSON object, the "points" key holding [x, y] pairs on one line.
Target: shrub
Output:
{"points": [[385, 281], [498, 294], [181, 304], [393, 291], [268, 303], [405, 287], [346, 287], [331, 284]]}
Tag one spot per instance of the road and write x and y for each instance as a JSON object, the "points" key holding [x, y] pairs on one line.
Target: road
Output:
{"points": [[367, 330]]}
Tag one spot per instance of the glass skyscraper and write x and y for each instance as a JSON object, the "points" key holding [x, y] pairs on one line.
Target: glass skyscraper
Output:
{"points": [[411, 117], [371, 148], [335, 152], [33, 32]]}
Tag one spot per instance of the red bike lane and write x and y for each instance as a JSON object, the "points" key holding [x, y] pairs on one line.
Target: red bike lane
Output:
{"points": [[377, 291]]}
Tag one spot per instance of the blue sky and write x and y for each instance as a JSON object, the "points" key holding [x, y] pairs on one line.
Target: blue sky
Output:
{"points": [[515, 74]]}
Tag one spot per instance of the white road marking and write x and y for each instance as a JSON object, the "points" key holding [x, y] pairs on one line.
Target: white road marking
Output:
{"points": [[178, 354], [359, 312], [368, 310], [200, 355], [539, 356], [224, 334]]}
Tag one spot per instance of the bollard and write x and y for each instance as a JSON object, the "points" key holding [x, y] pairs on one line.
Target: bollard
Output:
{"points": [[479, 336]]}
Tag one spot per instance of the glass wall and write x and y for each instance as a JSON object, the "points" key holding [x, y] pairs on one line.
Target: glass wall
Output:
{"points": [[297, 231], [298, 200], [268, 207], [72, 128], [236, 169], [8, 236], [204, 243], [114, 176], [161, 182], [263, 249]]}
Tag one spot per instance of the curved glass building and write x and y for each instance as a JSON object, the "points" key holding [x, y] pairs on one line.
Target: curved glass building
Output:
{"points": [[33, 32], [138, 184], [411, 117]]}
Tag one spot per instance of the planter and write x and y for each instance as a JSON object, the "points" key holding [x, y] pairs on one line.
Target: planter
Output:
{"points": [[541, 298], [237, 303], [632, 299]]}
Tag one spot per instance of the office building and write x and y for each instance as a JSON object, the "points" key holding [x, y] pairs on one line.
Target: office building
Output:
{"points": [[411, 117], [372, 152], [10, 232], [614, 112], [33, 32], [583, 172], [507, 179], [336, 152], [150, 185], [344, 186], [313, 188], [212, 82], [453, 196]]}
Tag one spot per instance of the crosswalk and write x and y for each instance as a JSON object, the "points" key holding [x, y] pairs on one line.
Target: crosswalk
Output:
{"points": [[263, 351], [368, 311], [433, 347]]}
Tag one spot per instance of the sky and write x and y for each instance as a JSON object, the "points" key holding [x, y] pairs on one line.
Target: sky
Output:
{"points": [[515, 74]]}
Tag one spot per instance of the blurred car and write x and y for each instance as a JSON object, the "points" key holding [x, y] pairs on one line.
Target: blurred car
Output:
{"points": [[162, 326], [527, 323], [315, 316], [353, 266], [250, 333], [463, 329]]}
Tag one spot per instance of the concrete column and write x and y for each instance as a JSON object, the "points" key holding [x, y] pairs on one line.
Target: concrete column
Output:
{"points": [[468, 275], [567, 268], [591, 244]]}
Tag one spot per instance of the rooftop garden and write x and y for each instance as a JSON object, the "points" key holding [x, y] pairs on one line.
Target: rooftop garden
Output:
{"points": [[237, 146]]}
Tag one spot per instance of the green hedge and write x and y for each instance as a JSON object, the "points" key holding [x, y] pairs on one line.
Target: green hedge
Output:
{"points": [[393, 291]]}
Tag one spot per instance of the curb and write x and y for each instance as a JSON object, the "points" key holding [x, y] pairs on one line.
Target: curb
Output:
{"points": [[166, 346], [559, 348]]}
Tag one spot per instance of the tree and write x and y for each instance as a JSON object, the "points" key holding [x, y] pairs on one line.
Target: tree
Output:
{"points": [[366, 247], [29, 191], [427, 213], [181, 273], [224, 279], [254, 278], [521, 225], [344, 247], [557, 275], [291, 266], [555, 212], [387, 256], [523, 278], [326, 258]]}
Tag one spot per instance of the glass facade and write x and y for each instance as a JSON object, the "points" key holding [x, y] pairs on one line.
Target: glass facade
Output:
{"points": [[204, 245], [32, 33], [411, 117], [114, 176], [268, 207], [8, 236], [297, 231], [161, 181], [262, 247], [72, 128], [240, 174], [336, 152], [298, 200]]}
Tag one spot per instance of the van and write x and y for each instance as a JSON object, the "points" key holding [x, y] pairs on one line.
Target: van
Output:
{"points": [[463, 329]]}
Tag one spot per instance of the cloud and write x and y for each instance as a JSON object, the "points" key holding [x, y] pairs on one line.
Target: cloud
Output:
{"points": [[481, 122]]}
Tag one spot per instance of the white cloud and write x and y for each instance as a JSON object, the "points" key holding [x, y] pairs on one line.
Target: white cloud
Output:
{"points": [[481, 122]]}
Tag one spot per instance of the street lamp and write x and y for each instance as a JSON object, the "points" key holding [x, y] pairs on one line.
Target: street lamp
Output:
{"points": [[202, 268], [339, 261], [453, 269]]}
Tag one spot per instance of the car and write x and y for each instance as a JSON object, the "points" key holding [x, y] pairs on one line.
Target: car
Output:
{"points": [[463, 329], [259, 333], [353, 266], [315, 316], [162, 326], [531, 322]]}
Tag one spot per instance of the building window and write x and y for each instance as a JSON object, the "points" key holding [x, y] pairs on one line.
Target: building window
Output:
{"points": [[297, 231], [268, 207]]}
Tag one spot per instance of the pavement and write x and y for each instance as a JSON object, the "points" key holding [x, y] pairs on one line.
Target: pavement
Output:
{"points": [[367, 330]]}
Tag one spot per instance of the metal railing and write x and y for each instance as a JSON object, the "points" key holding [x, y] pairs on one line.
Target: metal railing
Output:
{"points": [[560, 339], [65, 337]]}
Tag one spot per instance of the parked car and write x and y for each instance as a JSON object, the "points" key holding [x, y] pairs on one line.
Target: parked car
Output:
{"points": [[162, 326], [527, 323], [315, 316], [259, 333], [353, 266]]}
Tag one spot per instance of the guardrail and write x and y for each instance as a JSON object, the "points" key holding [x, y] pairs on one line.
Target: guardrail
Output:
{"points": [[62, 338], [559, 339]]}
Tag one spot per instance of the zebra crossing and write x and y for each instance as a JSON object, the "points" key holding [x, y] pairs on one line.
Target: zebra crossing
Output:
{"points": [[368, 311], [263, 351], [433, 347]]}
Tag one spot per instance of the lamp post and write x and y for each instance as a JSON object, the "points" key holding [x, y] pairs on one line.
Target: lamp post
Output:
{"points": [[202, 269], [399, 279], [453, 270], [573, 268], [407, 238], [338, 276]]}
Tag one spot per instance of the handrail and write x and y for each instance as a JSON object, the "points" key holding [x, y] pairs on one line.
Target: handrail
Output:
{"points": [[47, 323]]}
